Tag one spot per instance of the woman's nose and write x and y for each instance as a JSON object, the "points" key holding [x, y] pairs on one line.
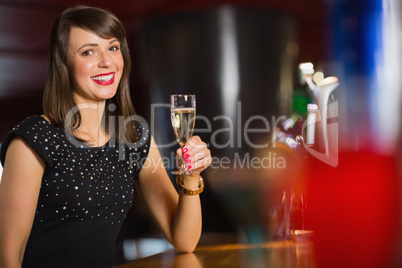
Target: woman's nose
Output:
{"points": [[105, 60]]}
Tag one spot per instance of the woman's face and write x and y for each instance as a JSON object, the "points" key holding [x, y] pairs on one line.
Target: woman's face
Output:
{"points": [[96, 66]]}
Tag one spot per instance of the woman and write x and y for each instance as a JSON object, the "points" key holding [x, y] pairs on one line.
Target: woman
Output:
{"points": [[68, 177]]}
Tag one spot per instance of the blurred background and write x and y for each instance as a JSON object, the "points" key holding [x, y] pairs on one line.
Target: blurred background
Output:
{"points": [[241, 59]]}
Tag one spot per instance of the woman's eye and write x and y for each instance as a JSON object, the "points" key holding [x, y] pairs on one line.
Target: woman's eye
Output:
{"points": [[87, 53], [114, 48]]}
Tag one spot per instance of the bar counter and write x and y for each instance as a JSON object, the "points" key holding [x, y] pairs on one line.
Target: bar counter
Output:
{"points": [[284, 254]]}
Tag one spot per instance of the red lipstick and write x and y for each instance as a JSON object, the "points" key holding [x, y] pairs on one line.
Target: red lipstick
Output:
{"points": [[104, 79]]}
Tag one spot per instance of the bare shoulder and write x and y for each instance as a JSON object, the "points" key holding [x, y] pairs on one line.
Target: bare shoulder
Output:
{"points": [[45, 117], [153, 161], [19, 190], [22, 158]]}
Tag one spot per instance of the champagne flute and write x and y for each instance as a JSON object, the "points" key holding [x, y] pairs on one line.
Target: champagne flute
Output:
{"points": [[182, 112]]}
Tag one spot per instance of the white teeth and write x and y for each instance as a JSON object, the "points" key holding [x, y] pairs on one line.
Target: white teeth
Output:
{"points": [[103, 77]]}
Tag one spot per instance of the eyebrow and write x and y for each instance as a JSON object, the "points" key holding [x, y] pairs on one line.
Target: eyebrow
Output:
{"points": [[95, 44]]}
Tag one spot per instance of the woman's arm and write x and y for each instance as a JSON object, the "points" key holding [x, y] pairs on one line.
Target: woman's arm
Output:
{"points": [[19, 191], [178, 216]]}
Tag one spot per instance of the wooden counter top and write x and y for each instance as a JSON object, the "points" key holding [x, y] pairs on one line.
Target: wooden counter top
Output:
{"points": [[281, 254]]}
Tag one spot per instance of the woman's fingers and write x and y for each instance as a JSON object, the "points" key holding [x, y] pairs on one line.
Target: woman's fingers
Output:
{"points": [[196, 154]]}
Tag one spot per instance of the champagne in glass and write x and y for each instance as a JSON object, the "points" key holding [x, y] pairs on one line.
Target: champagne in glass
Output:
{"points": [[182, 111], [183, 124]]}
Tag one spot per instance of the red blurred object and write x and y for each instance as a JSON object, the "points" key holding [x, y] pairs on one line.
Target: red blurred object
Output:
{"points": [[354, 210]]}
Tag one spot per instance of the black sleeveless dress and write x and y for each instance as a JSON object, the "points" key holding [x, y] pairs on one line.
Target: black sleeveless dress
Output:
{"points": [[85, 195]]}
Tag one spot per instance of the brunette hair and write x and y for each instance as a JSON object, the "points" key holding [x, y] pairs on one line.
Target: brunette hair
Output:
{"points": [[58, 100]]}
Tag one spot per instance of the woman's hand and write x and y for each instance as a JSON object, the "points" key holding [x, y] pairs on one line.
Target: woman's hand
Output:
{"points": [[195, 154]]}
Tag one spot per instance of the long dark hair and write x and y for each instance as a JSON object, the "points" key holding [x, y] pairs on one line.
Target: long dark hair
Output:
{"points": [[58, 98]]}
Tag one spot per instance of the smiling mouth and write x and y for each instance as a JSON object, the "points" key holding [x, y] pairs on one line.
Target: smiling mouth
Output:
{"points": [[105, 79]]}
